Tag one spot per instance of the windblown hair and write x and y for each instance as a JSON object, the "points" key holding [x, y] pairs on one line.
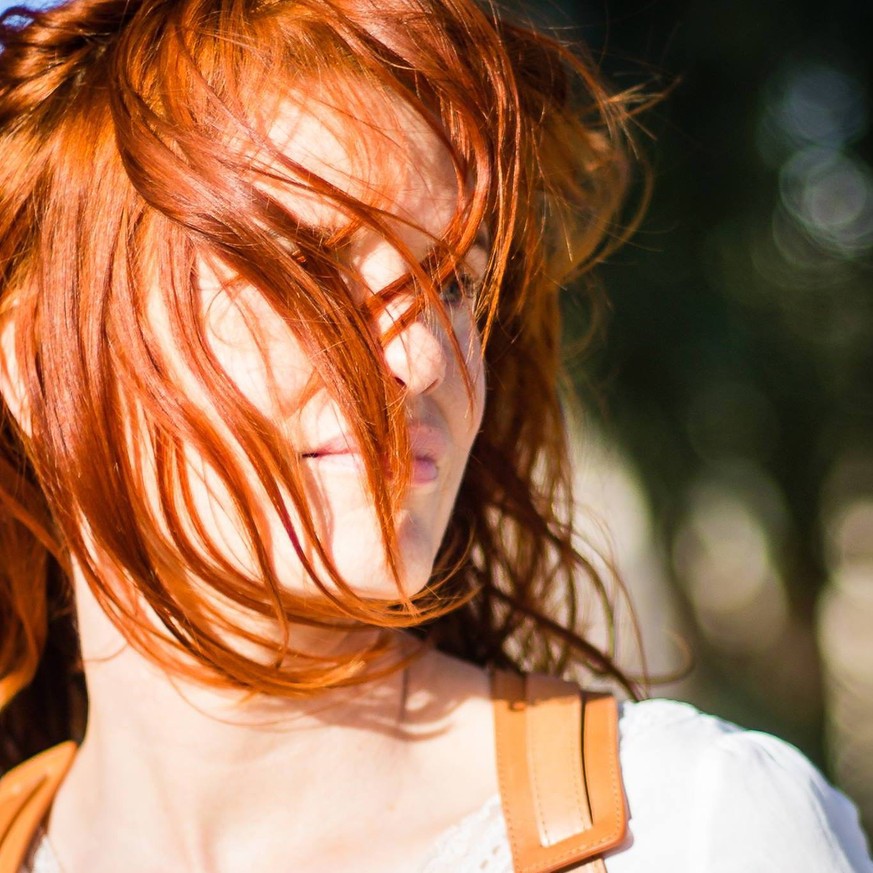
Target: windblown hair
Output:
{"points": [[135, 140]]}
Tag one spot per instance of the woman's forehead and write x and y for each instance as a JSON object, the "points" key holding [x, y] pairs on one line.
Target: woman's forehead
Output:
{"points": [[375, 150]]}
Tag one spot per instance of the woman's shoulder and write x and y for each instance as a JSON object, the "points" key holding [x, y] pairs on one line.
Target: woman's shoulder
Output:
{"points": [[706, 793]]}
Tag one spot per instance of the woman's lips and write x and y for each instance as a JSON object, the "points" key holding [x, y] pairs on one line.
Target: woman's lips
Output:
{"points": [[424, 470], [429, 445]]}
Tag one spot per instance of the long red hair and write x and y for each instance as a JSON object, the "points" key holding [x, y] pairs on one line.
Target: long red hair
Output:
{"points": [[127, 130]]}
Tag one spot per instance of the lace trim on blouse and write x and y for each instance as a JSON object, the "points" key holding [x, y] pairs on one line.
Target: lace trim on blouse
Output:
{"points": [[476, 844]]}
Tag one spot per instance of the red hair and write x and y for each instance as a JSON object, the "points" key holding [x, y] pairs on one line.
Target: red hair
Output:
{"points": [[127, 131]]}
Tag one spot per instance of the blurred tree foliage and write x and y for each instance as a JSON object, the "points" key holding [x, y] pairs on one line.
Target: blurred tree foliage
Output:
{"points": [[739, 355]]}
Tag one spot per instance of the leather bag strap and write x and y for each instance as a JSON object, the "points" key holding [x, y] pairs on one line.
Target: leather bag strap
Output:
{"points": [[558, 768], [26, 794]]}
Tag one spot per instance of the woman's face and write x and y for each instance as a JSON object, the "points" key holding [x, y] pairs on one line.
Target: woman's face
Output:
{"points": [[403, 156]]}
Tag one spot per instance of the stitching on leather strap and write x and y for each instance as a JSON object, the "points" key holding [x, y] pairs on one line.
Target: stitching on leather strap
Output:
{"points": [[616, 797], [532, 750], [542, 827], [500, 692], [554, 749]]}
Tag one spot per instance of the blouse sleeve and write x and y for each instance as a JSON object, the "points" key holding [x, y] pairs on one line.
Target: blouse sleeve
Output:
{"points": [[708, 797], [762, 805]]}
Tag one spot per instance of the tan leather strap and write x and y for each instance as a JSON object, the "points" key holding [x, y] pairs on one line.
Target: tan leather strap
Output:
{"points": [[26, 794], [560, 782]]}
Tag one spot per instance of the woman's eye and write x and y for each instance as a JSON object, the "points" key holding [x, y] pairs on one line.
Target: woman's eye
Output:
{"points": [[458, 290]]}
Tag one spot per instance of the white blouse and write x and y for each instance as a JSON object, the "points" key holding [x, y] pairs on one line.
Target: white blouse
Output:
{"points": [[704, 797]]}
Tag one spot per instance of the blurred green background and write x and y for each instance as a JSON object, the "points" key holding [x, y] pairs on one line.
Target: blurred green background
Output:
{"points": [[733, 392]]}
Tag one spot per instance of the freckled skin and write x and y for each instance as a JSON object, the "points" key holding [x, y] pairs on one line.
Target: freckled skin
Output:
{"points": [[406, 159]]}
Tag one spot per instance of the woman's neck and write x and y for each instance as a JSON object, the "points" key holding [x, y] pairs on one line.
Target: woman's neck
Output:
{"points": [[186, 777]]}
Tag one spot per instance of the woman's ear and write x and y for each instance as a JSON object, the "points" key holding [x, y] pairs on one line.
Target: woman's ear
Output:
{"points": [[11, 384]]}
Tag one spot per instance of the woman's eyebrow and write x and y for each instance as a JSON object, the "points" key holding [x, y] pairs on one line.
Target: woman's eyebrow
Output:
{"points": [[483, 238]]}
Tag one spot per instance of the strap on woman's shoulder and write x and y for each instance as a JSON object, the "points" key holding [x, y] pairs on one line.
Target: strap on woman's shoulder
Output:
{"points": [[26, 794], [558, 767]]}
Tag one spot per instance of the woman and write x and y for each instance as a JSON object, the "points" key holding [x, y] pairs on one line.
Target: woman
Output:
{"points": [[281, 430]]}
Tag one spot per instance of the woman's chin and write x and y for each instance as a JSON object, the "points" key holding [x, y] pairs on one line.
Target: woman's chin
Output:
{"points": [[378, 582], [361, 560]]}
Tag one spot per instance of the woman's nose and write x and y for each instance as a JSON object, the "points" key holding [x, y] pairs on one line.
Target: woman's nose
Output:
{"points": [[416, 356]]}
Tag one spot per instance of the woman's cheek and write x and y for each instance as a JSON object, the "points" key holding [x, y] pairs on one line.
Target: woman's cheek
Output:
{"points": [[258, 352]]}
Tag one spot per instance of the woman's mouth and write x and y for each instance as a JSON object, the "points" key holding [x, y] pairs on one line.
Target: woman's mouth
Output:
{"points": [[429, 445], [424, 470]]}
